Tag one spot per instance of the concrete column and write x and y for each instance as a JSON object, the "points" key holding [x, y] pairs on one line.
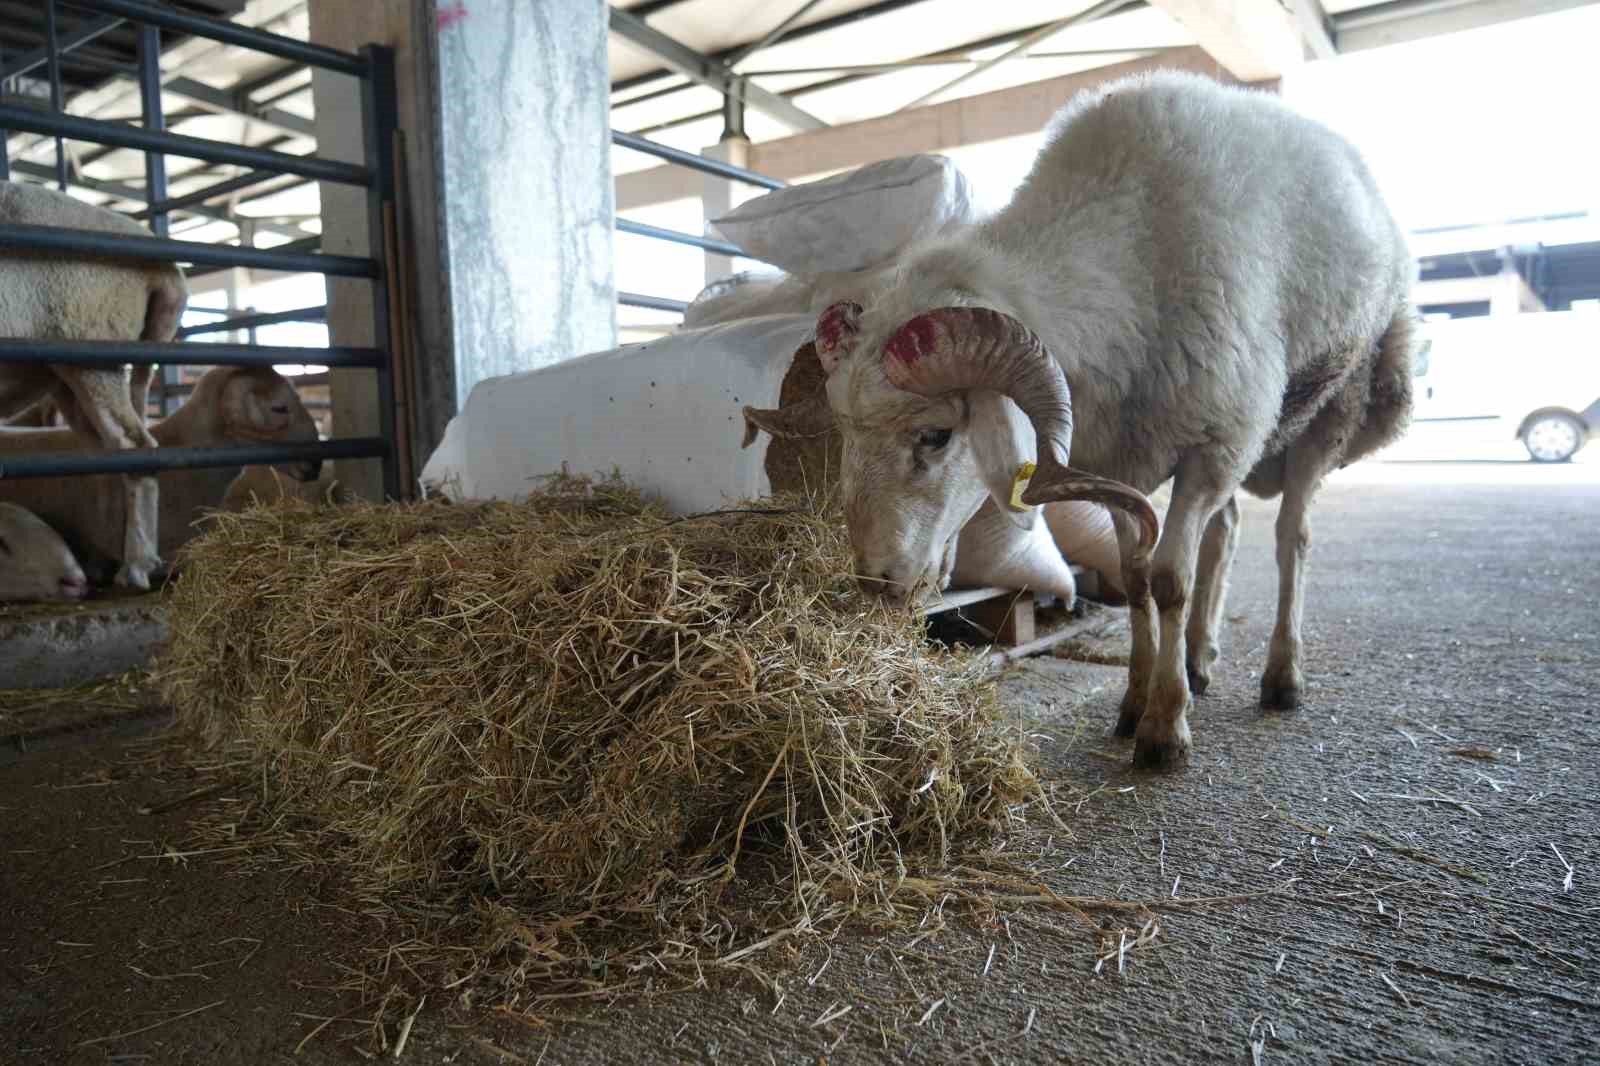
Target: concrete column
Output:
{"points": [[1511, 293], [504, 106], [717, 197], [354, 392], [525, 150]]}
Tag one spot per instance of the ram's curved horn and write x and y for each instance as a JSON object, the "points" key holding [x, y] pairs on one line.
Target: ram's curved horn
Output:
{"points": [[837, 328], [958, 348]]}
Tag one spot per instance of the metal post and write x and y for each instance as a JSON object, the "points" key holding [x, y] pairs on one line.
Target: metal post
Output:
{"points": [[52, 46], [379, 119], [733, 111], [155, 163], [155, 175], [5, 135]]}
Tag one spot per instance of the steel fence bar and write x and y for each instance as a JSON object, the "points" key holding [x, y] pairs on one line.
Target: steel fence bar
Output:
{"points": [[155, 460], [267, 318], [75, 128], [710, 244], [167, 18], [83, 242], [655, 303], [121, 353], [692, 161]]}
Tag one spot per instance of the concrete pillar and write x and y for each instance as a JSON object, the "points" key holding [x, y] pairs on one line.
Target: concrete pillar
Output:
{"points": [[525, 150], [1511, 294], [353, 392], [717, 197], [504, 107]]}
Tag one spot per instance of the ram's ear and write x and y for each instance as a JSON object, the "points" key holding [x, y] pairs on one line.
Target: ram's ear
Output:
{"points": [[810, 417], [1002, 442]]}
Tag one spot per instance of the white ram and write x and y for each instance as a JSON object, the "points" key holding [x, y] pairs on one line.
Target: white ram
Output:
{"points": [[229, 405], [49, 296], [35, 563], [1206, 283]]}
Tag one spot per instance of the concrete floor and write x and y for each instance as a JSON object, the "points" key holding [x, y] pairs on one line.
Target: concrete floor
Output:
{"points": [[1417, 803]]}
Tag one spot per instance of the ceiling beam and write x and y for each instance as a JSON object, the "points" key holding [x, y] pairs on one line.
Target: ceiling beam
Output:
{"points": [[958, 53], [810, 29], [1255, 39], [40, 56], [1408, 20], [227, 102], [709, 71], [1021, 48], [992, 116], [1316, 29]]}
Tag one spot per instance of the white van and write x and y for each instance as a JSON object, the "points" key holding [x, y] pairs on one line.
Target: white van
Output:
{"points": [[1485, 383]]}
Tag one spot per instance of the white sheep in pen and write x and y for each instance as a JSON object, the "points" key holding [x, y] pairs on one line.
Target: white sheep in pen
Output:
{"points": [[229, 405], [50, 296], [1211, 287]]}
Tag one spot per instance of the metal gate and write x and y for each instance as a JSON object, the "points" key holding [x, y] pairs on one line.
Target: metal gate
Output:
{"points": [[374, 67]]}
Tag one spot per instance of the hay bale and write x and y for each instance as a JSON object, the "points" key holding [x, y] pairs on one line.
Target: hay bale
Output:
{"points": [[583, 713]]}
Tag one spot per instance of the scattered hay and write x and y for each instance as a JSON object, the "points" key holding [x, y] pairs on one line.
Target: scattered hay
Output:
{"points": [[130, 691], [577, 743]]}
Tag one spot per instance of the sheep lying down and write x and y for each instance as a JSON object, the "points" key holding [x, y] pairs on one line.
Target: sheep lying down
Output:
{"points": [[229, 405], [257, 485], [35, 563], [667, 415]]}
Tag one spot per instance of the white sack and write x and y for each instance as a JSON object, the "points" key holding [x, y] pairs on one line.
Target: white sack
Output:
{"points": [[666, 414], [854, 220]]}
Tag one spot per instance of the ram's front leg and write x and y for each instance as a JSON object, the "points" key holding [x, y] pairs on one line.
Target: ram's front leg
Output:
{"points": [[1210, 593], [103, 406], [1163, 732]]}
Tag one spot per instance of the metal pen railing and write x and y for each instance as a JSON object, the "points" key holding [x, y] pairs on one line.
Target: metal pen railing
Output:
{"points": [[373, 66], [714, 167]]}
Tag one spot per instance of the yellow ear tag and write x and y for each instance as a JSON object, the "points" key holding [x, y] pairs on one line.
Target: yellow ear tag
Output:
{"points": [[1019, 484]]}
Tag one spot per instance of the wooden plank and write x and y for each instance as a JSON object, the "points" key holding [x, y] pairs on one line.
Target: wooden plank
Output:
{"points": [[991, 116], [956, 598], [1254, 39], [1001, 656], [1010, 620]]}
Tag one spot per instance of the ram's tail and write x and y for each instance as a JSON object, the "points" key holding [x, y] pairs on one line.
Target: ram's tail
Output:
{"points": [[1388, 410]]}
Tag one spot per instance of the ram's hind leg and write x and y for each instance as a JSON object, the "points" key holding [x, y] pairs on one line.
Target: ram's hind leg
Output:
{"points": [[1202, 485], [1210, 591], [1141, 623], [1304, 467]]}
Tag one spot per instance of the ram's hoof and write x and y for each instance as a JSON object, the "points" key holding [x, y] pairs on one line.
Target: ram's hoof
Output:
{"points": [[133, 577], [1199, 678], [1279, 695], [1167, 754]]}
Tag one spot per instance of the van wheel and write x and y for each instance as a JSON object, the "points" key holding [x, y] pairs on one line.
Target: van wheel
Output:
{"points": [[1553, 438]]}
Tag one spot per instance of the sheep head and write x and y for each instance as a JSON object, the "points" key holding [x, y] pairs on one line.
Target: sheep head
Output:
{"points": [[259, 404], [35, 563], [938, 410]]}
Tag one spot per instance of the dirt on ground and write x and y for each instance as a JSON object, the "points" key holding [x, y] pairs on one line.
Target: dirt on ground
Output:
{"points": [[1403, 871]]}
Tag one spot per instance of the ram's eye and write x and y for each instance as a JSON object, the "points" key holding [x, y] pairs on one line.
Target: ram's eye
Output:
{"points": [[280, 408], [933, 439]]}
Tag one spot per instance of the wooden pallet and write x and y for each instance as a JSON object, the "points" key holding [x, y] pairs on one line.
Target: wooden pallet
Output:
{"points": [[1010, 615]]}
